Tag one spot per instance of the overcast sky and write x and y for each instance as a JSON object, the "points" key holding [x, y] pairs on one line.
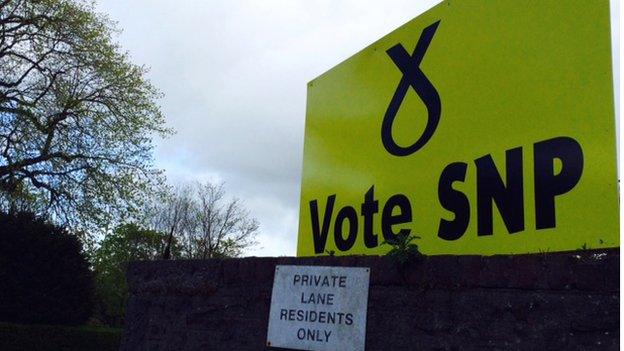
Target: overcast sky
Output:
{"points": [[234, 77]]}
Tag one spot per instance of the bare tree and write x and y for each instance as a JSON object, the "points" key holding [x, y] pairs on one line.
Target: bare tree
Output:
{"points": [[203, 222], [171, 213], [225, 228]]}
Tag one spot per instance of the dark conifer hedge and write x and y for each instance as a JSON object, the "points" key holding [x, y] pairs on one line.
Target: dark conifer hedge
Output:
{"points": [[44, 274]]}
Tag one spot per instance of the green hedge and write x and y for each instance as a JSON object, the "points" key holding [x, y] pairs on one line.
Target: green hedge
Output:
{"points": [[57, 338]]}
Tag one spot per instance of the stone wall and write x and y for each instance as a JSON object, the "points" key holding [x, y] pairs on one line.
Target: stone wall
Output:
{"points": [[556, 301]]}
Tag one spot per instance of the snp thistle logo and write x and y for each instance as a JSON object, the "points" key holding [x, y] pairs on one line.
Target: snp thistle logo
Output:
{"points": [[413, 77]]}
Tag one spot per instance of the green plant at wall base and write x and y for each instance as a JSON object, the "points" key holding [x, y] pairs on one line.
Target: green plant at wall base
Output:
{"points": [[403, 250]]}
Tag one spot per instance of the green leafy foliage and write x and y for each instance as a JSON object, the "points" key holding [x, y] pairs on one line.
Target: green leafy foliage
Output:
{"points": [[403, 250], [128, 242], [44, 274], [77, 117]]}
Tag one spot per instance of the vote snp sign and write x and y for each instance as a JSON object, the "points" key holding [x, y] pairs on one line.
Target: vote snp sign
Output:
{"points": [[483, 127]]}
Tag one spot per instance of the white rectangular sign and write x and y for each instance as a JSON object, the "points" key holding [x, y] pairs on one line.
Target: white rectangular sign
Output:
{"points": [[319, 308]]}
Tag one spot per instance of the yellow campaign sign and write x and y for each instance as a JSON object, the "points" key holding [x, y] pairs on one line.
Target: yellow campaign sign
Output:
{"points": [[483, 127]]}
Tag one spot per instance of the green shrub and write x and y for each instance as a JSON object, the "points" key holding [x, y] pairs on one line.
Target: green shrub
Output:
{"points": [[128, 242], [403, 250]]}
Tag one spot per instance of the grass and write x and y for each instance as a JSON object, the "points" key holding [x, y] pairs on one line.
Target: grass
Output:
{"points": [[14, 337]]}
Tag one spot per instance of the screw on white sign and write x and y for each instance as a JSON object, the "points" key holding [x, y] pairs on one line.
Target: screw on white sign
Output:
{"points": [[319, 308]]}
